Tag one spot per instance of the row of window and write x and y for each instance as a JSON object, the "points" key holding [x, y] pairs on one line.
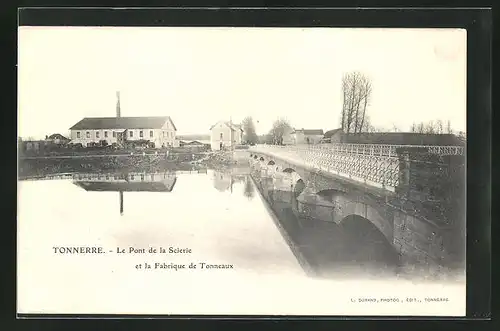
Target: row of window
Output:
{"points": [[132, 177], [131, 134]]}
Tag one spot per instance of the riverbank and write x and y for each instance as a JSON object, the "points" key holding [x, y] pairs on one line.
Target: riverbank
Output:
{"points": [[223, 159], [38, 166], [34, 167]]}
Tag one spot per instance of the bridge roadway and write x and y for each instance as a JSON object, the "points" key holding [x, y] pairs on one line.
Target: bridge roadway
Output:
{"points": [[340, 184]]}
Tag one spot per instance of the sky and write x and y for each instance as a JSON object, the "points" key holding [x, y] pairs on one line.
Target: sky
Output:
{"points": [[200, 75]]}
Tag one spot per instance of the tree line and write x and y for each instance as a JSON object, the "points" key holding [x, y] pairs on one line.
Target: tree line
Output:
{"points": [[357, 92]]}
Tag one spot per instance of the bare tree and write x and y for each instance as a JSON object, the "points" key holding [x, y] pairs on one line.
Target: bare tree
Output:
{"points": [[356, 92], [420, 127], [430, 128], [280, 128], [448, 127], [413, 127], [439, 127]]}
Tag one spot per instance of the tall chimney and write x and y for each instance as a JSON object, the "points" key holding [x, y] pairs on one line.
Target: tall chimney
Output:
{"points": [[118, 113]]}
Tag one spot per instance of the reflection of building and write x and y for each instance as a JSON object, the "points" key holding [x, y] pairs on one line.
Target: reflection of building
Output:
{"points": [[225, 135], [129, 182], [224, 181], [126, 182]]}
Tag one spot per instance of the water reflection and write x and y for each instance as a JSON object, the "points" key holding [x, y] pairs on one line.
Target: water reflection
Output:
{"points": [[126, 182], [224, 180], [322, 248], [325, 248], [249, 190]]}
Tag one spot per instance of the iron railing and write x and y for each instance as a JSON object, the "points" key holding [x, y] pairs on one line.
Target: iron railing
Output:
{"points": [[373, 149], [375, 165]]}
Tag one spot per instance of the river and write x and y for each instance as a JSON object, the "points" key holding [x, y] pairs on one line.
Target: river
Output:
{"points": [[270, 260]]}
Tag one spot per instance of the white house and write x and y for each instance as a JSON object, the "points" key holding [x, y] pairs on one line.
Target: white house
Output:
{"points": [[304, 136], [288, 137], [225, 135], [159, 130]]}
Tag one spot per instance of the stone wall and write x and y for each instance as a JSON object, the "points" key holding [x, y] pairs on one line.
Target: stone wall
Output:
{"points": [[433, 185]]}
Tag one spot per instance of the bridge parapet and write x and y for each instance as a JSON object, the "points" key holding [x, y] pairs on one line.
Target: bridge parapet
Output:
{"points": [[377, 170], [375, 165]]}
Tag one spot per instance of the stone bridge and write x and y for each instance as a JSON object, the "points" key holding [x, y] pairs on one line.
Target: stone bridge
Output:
{"points": [[394, 188]]}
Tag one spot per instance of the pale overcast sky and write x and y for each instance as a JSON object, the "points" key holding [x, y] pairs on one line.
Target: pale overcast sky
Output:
{"points": [[201, 75]]}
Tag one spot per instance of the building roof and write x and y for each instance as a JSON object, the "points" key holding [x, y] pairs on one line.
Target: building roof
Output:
{"points": [[195, 142], [57, 136], [237, 127], [96, 123], [330, 133], [310, 132], [233, 126], [403, 138]]}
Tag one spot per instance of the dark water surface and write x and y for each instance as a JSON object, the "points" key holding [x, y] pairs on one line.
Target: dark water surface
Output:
{"points": [[281, 263], [225, 207]]}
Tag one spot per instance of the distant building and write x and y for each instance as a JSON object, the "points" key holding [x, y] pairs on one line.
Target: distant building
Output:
{"points": [[305, 136], [33, 146], [333, 136], [225, 135], [158, 130], [288, 137], [195, 144], [403, 138], [58, 139]]}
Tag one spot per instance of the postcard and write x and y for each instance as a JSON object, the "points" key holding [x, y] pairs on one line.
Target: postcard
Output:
{"points": [[241, 171]]}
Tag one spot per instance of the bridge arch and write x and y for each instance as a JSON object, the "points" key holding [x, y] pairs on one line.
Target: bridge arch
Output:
{"points": [[358, 211], [289, 170], [261, 158], [368, 241], [255, 157], [298, 187], [271, 162]]}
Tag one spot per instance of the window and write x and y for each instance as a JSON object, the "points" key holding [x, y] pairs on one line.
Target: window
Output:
{"points": [[88, 134], [163, 134], [114, 134], [142, 177], [131, 133], [97, 134], [151, 133], [78, 134], [141, 134], [221, 136], [105, 134]]}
